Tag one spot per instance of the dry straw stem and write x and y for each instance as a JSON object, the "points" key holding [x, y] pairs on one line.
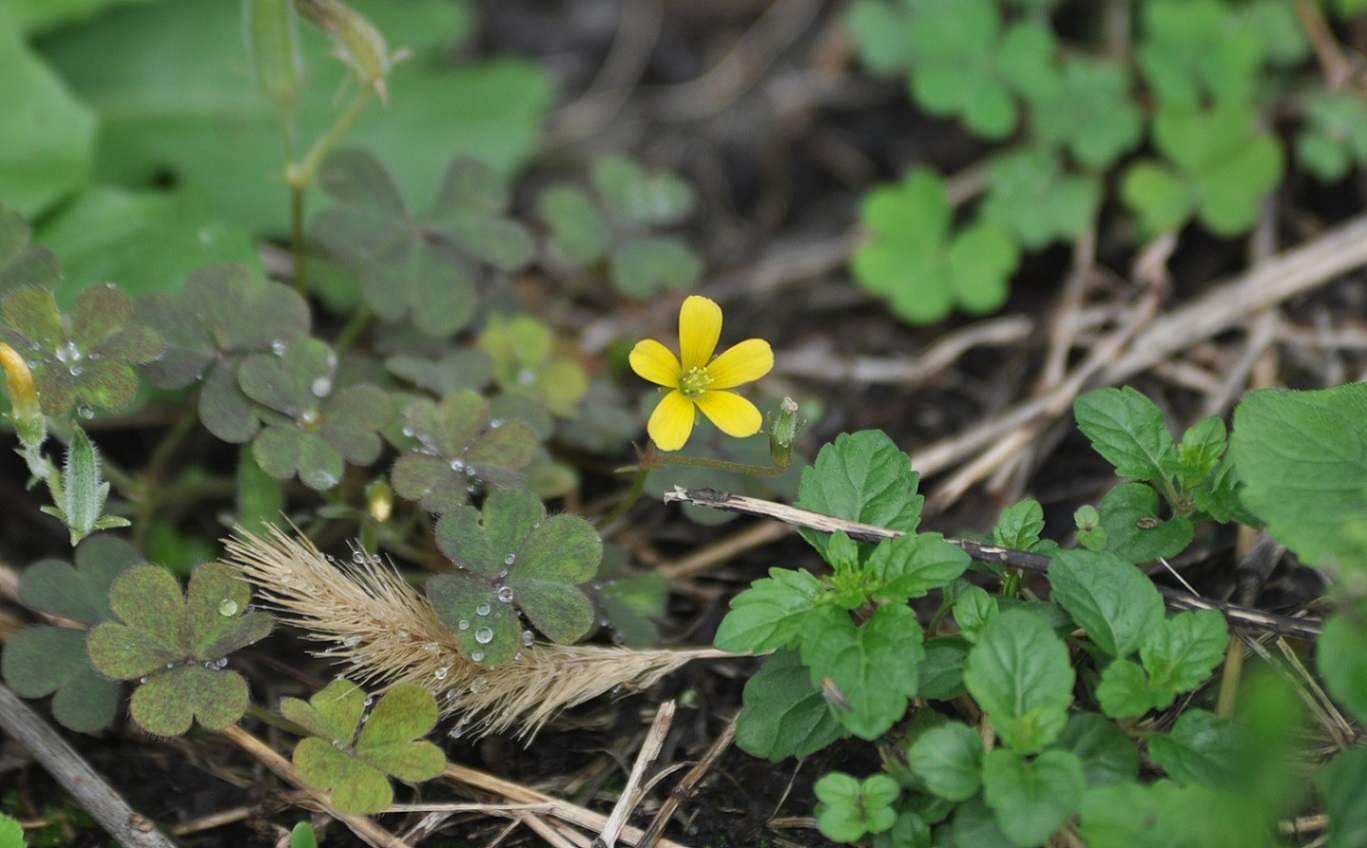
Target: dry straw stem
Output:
{"points": [[384, 631]]}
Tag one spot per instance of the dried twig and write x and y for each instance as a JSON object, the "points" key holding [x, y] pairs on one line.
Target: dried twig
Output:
{"points": [[53, 753], [632, 792], [1241, 616]]}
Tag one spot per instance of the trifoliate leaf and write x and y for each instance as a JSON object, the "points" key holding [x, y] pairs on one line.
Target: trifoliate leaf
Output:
{"points": [[525, 363], [1197, 49], [851, 808], [1030, 194], [1089, 112]]}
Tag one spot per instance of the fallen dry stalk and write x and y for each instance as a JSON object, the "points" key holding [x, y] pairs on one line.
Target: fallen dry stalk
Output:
{"points": [[383, 630]]}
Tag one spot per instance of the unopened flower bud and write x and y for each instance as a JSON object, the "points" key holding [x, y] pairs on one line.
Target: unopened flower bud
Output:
{"points": [[24, 409], [782, 432], [358, 43]]}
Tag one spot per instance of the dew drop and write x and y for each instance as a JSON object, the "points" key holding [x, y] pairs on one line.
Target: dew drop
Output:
{"points": [[482, 609], [479, 685], [457, 465], [477, 656], [526, 638], [278, 347], [76, 370], [505, 594], [441, 673], [227, 607], [526, 377], [358, 557], [403, 634], [517, 657], [369, 700], [352, 641], [484, 635], [431, 647], [85, 411], [463, 624], [495, 423], [510, 559]]}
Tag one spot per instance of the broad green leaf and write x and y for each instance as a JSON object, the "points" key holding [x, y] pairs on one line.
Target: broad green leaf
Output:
{"points": [[1123, 691], [46, 134], [1090, 112], [949, 760], [1128, 430], [873, 666], [784, 715], [1123, 815], [1019, 525], [770, 613], [910, 566], [975, 826], [1342, 661], [941, 672], [974, 610], [1032, 799], [1111, 599], [1134, 531], [390, 739], [1021, 675], [1107, 754], [1201, 748], [171, 103], [1303, 461], [643, 267], [579, 235], [357, 788], [1339, 782], [637, 198], [862, 477], [1030, 194], [1182, 652]]}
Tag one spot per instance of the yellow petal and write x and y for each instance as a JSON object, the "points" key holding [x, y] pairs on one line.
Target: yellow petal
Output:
{"points": [[749, 360], [733, 414], [655, 362], [672, 421], [699, 330]]}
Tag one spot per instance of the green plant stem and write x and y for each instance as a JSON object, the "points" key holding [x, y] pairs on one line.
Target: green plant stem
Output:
{"points": [[300, 177], [720, 464], [347, 337], [154, 473], [629, 500], [1229, 678]]}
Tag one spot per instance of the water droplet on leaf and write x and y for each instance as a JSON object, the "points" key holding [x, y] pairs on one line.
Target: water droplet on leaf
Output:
{"points": [[484, 635]]}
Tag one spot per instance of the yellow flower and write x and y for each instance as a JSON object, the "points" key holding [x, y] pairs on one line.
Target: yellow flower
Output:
{"points": [[699, 382]]}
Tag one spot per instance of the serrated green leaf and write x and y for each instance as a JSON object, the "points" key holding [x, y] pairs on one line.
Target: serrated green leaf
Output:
{"points": [[784, 715], [1303, 461], [974, 609], [1201, 748], [861, 477], [949, 760], [1111, 599], [1032, 799], [1108, 756], [1128, 430], [1124, 691], [1020, 673], [770, 613], [1338, 781], [941, 672], [1184, 650], [873, 666], [1134, 531], [1019, 525], [910, 566]]}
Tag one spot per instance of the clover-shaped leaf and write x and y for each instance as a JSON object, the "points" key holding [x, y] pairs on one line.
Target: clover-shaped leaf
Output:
{"points": [[41, 660], [178, 645], [1220, 167], [525, 363], [423, 268], [1195, 49], [226, 314], [316, 429], [350, 753], [1335, 135], [964, 64], [912, 259], [1030, 194], [87, 356], [459, 446], [23, 264], [1089, 112], [454, 370], [513, 558], [615, 225]]}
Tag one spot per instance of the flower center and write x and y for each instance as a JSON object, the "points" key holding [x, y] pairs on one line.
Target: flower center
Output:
{"points": [[694, 381]]}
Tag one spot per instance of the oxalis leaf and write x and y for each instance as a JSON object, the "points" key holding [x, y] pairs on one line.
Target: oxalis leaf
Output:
{"points": [[41, 660], [178, 645], [350, 754], [861, 477], [512, 558]]}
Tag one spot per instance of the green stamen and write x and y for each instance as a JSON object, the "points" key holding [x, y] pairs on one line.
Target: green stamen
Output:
{"points": [[694, 381]]}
